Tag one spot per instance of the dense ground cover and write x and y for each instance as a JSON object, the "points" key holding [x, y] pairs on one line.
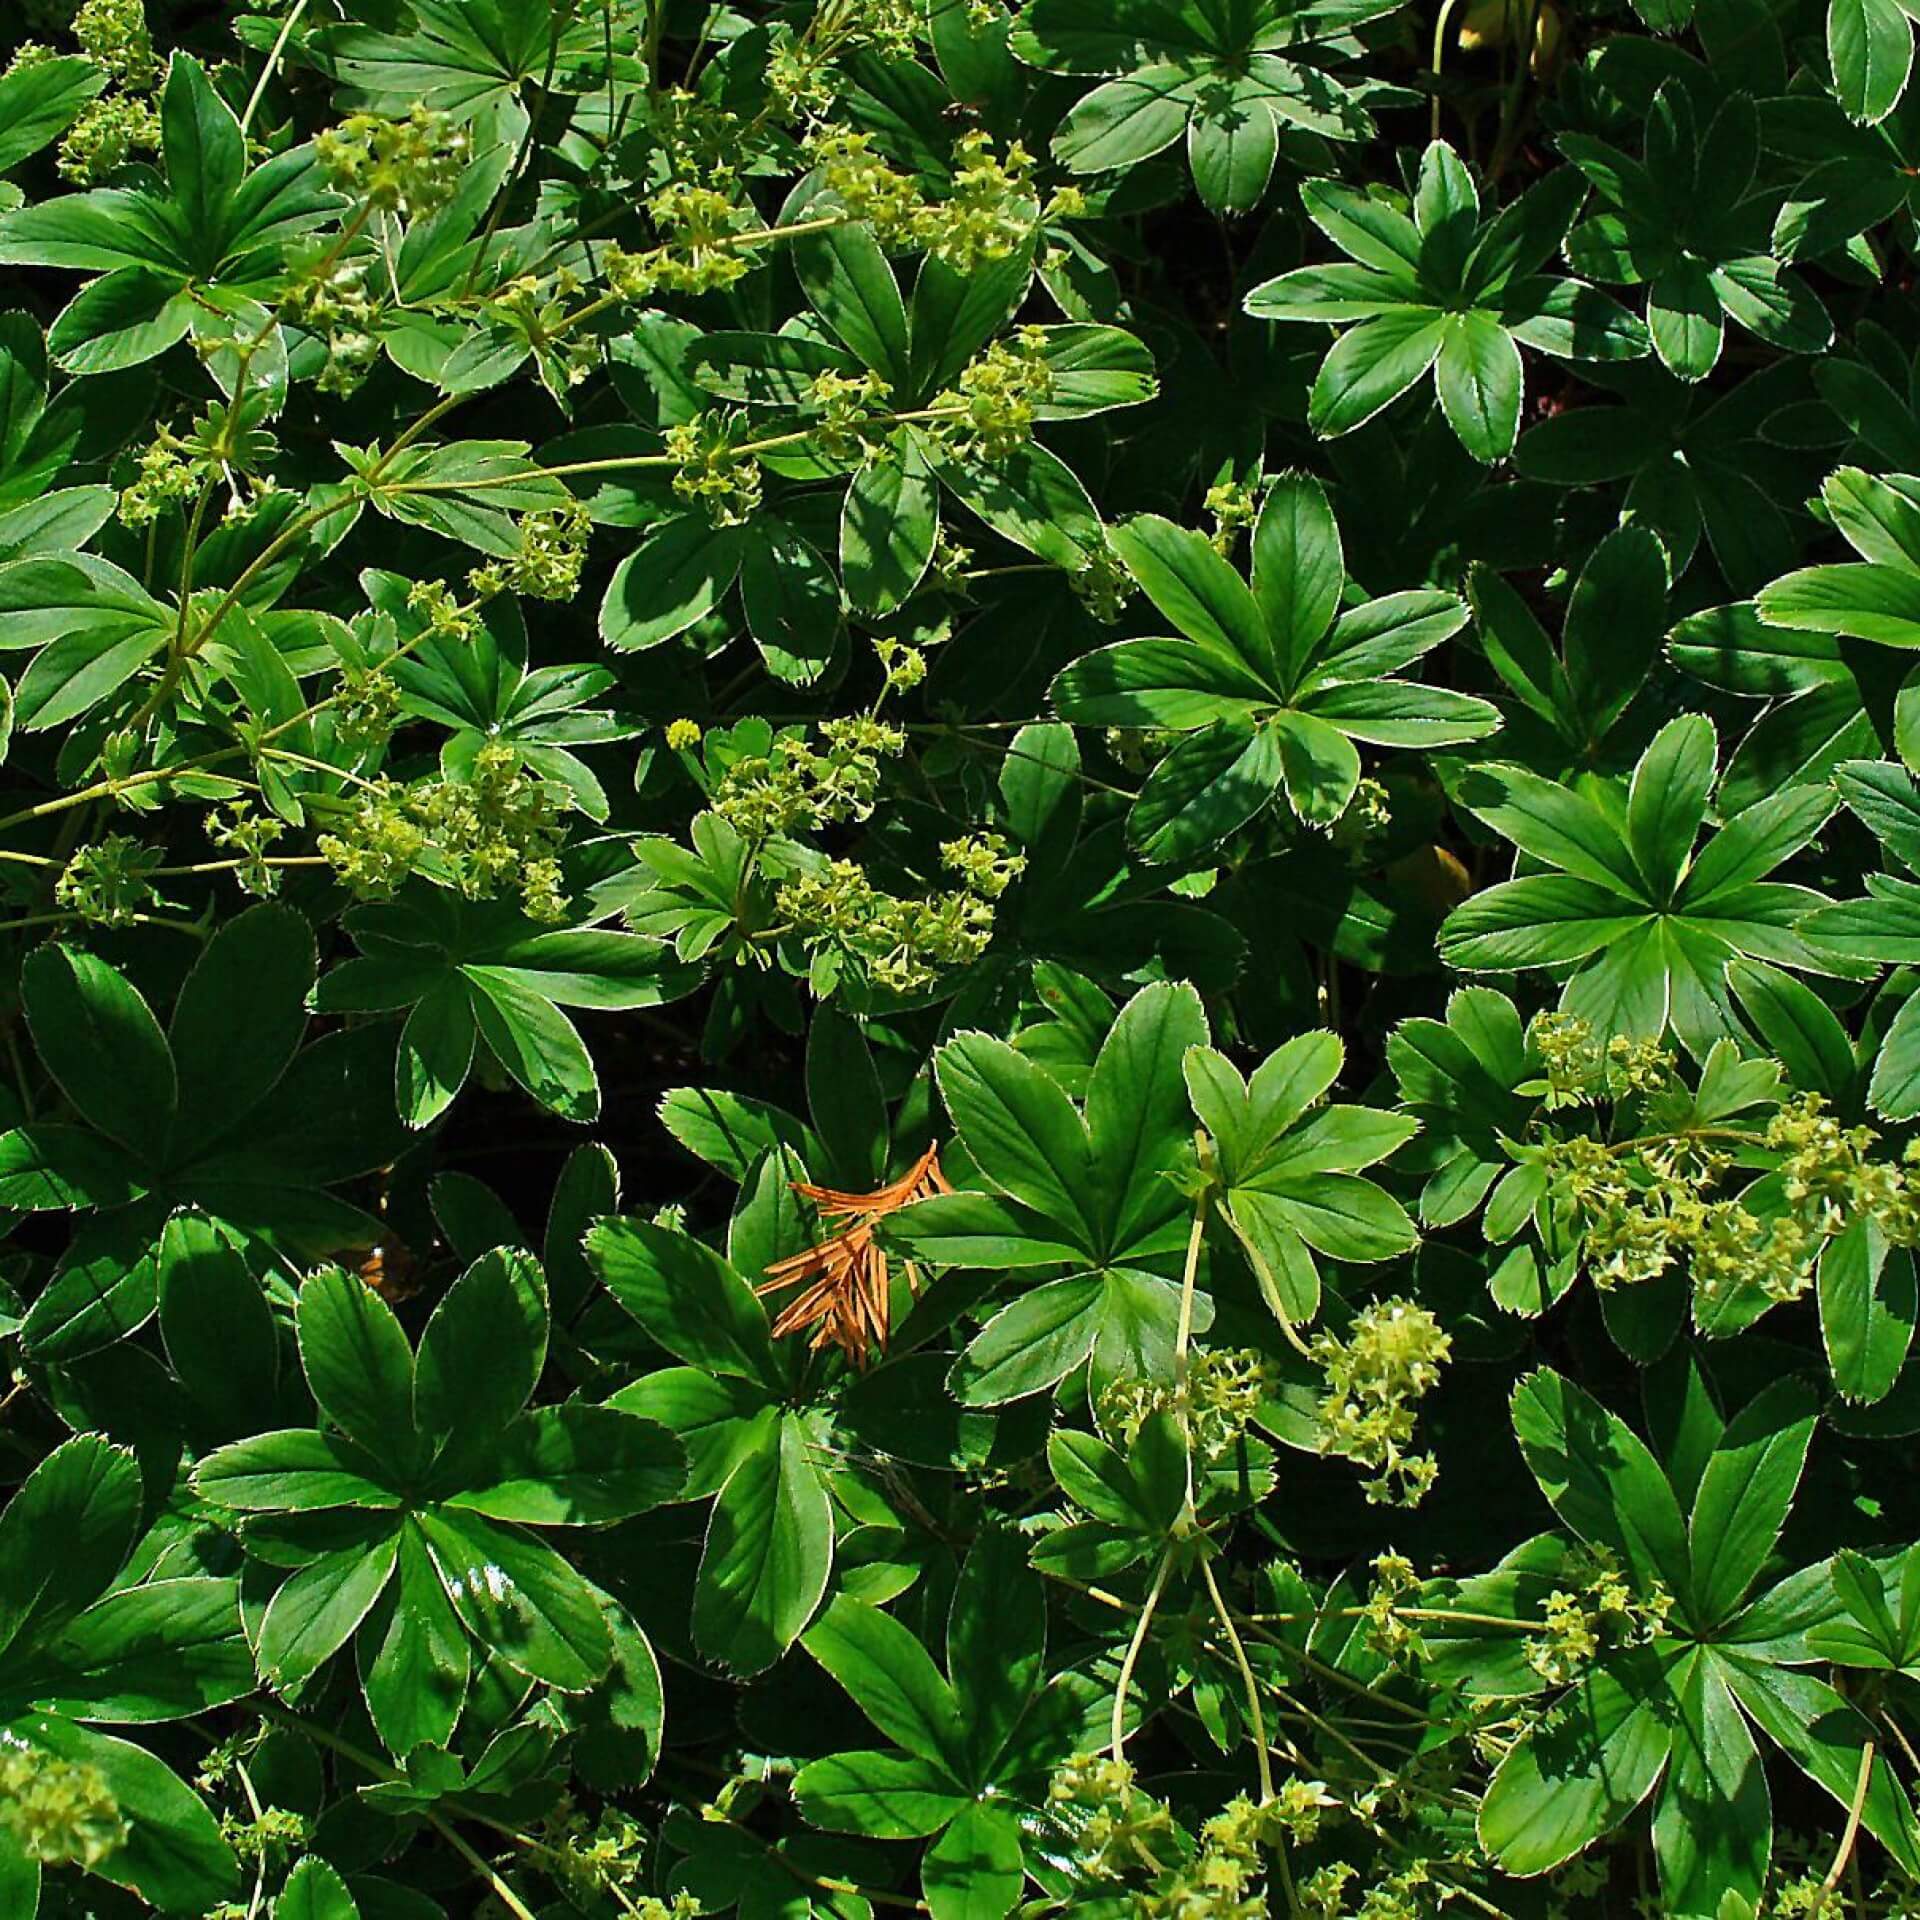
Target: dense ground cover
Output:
{"points": [[959, 959]]}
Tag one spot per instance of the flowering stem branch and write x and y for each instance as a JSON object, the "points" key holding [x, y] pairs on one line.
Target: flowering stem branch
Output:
{"points": [[1254, 1716], [1854, 1811], [273, 61], [1441, 23], [1183, 1340], [259, 1814], [1405, 1613], [138, 920], [482, 1866], [1132, 1655], [879, 1896]]}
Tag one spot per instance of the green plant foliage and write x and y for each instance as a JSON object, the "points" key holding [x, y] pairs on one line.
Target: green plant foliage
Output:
{"points": [[959, 957]]}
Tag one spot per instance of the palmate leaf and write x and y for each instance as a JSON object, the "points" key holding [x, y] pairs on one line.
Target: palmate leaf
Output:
{"points": [[1289, 1168], [253, 1156], [470, 974], [459, 59], [1674, 221], [1655, 923], [216, 230], [1272, 689], [965, 1763], [1714, 1671], [769, 1548], [1087, 1192], [1230, 83], [1876, 598], [1440, 292], [455, 1471]]}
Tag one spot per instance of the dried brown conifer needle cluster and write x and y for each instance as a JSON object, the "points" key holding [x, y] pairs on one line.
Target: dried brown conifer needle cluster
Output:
{"points": [[846, 1303]]}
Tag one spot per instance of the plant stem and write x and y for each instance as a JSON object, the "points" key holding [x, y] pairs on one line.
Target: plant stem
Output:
{"points": [[1851, 1832], [1442, 21], [1132, 1655], [1260, 1756], [273, 61], [482, 1866]]}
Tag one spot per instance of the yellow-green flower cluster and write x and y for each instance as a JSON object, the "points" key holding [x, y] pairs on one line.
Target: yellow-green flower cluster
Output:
{"points": [[992, 211], [1830, 1178], [1234, 509], [713, 474], [799, 77], [366, 707], [113, 35], [697, 138], [1408, 1894], [682, 1906], [1582, 1070], [408, 166], [904, 666], [799, 787], [111, 129], [1224, 1390], [1139, 749], [58, 1812], [699, 226], [553, 549], [168, 473], [1103, 586], [109, 882], [1395, 1582], [1391, 1358], [1113, 1831], [993, 405], [248, 836], [1220, 1881], [225, 442], [121, 120], [983, 863], [270, 1835], [596, 1859], [1808, 1898], [862, 181], [1602, 1612], [849, 405], [446, 616], [1298, 1807], [799, 68], [1641, 1210], [947, 565], [1112, 1828], [1366, 817], [902, 944], [496, 831], [329, 299], [891, 28]]}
